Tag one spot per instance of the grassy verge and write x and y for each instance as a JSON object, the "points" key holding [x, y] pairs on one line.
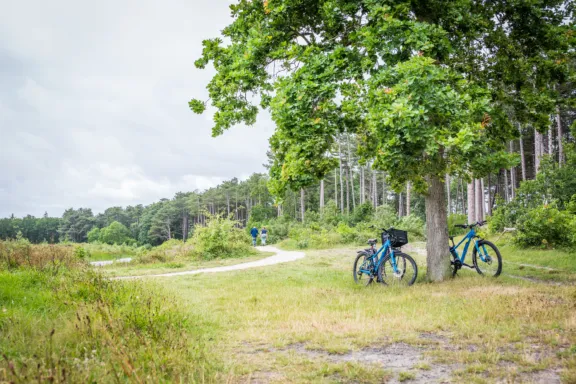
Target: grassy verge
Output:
{"points": [[74, 326], [307, 321], [176, 265]]}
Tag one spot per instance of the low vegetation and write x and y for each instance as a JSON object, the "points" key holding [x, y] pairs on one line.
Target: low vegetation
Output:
{"points": [[68, 324]]}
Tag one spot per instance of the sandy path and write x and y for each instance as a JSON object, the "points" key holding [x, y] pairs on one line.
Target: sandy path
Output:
{"points": [[279, 257]]}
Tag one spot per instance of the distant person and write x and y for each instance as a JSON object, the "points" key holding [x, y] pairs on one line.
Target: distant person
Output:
{"points": [[263, 235], [254, 233]]}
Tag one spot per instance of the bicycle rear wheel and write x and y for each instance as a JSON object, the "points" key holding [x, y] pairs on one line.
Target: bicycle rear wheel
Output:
{"points": [[363, 268], [405, 273], [489, 261]]}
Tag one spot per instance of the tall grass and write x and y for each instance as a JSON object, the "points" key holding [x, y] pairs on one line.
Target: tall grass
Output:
{"points": [[21, 253], [72, 325]]}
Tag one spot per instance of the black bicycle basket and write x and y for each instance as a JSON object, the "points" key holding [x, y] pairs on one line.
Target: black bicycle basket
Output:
{"points": [[397, 237]]}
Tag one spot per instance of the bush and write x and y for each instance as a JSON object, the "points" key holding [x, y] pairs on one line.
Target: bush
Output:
{"points": [[116, 233], [220, 238], [545, 226], [20, 253]]}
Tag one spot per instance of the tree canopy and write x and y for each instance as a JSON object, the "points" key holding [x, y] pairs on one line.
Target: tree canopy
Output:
{"points": [[429, 86]]}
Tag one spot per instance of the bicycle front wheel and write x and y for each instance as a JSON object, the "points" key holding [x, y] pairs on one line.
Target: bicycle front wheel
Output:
{"points": [[362, 270], [489, 261], [404, 273]]}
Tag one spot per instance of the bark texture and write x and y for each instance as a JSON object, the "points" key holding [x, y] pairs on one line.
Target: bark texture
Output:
{"points": [[438, 262], [479, 200], [471, 202]]}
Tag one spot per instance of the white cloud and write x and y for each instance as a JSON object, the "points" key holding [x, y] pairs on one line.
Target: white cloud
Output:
{"points": [[93, 105]]}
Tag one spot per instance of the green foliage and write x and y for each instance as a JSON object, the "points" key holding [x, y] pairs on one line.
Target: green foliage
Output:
{"points": [[81, 253], [454, 219], [363, 212], [116, 233], [547, 227], [221, 238], [94, 235]]}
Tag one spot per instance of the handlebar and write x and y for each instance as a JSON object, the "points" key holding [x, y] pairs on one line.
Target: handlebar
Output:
{"points": [[382, 229], [478, 223]]}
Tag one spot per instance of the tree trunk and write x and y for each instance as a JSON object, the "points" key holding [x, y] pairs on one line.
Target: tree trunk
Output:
{"points": [[384, 195], [185, 227], [538, 152], [512, 175], [559, 135], [522, 157], [550, 141], [506, 193], [302, 204], [408, 196], [321, 194], [341, 184], [447, 180], [471, 202], [438, 262], [347, 189], [374, 189], [336, 187], [228, 202], [462, 205], [479, 200], [489, 206], [361, 185], [350, 172], [400, 205]]}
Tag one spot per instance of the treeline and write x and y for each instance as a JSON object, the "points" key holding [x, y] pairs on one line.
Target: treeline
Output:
{"points": [[349, 185]]}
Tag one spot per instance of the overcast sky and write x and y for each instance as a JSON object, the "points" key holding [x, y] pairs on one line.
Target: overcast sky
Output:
{"points": [[94, 105]]}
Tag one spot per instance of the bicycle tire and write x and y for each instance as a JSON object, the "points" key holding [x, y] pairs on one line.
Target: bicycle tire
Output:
{"points": [[498, 259], [403, 261], [360, 259]]}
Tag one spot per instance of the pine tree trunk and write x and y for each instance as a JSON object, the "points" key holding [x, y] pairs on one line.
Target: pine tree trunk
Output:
{"points": [[302, 204], [361, 185], [462, 205], [321, 195], [489, 206], [506, 193], [408, 196], [512, 175], [400, 205], [522, 157], [550, 142], [438, 262], [538, 152], [384, 196], [447, 180], [336, 187], [375, 190], [347, 189], [341, 181], [184, 227], [350, 171], [479, 200], [471, 202], [560, 134]]}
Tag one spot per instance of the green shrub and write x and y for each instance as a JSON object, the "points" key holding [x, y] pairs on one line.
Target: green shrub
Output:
{"points": [[220, 238], [545, 226], [414, 226], [363, 213]]}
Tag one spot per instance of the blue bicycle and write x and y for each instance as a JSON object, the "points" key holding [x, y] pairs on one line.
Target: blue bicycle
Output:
{"points": [[388, 265], [486, 258]]}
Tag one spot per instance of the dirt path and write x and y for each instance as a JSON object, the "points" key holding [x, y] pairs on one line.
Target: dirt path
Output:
{"points": [[279, 257]]}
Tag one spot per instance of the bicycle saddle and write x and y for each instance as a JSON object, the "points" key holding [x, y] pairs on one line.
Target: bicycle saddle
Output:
{"points": [[372, 241]]}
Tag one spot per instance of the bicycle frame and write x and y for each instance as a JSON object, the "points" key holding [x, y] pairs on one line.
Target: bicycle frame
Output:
{"points": [[380, 257], [468, 238]]}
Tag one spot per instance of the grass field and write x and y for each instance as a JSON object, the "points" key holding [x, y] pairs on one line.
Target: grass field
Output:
{"points": [[304, 321]]}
